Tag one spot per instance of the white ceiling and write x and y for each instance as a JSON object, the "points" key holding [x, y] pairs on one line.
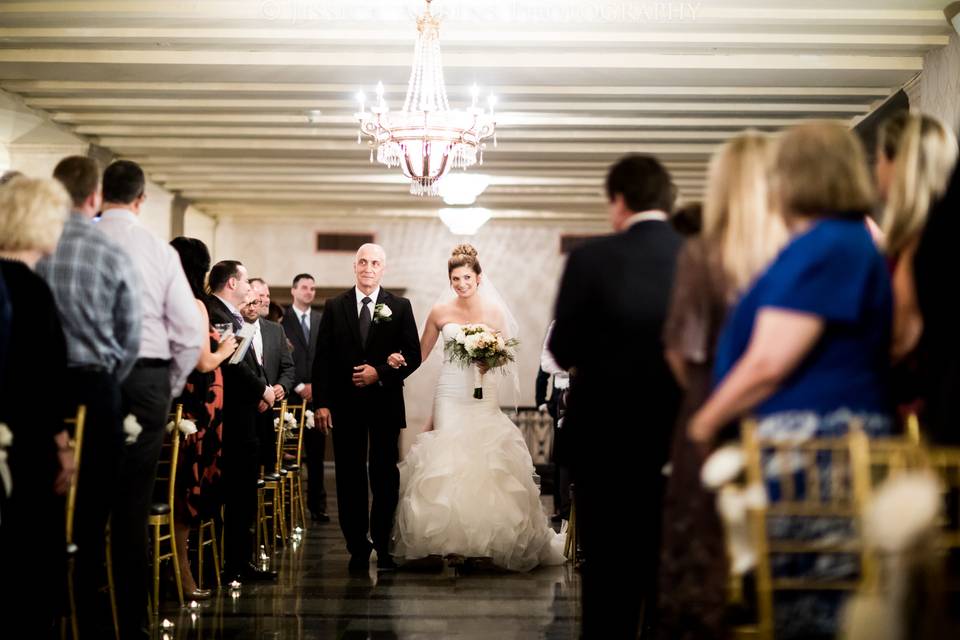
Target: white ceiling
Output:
{"points": [[245, 107]]}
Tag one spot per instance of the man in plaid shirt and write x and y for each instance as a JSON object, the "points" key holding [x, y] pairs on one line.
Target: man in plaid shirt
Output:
{"points": [[96, 289]]}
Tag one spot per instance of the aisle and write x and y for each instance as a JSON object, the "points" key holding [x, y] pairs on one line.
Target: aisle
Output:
{"points": [[317, 598]]}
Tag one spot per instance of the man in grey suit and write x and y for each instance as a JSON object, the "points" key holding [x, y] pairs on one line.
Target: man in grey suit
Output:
{"points": [[302, 324], [273, 354]]}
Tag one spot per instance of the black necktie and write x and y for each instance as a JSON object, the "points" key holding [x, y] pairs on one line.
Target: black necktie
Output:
{"points": [[365, 319], [305, 328]]}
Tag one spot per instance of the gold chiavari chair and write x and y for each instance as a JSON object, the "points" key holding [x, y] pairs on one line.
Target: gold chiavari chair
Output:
{"points": [[816, 479], [161, 513], [293, 447], [273, 482], [77, 422]]}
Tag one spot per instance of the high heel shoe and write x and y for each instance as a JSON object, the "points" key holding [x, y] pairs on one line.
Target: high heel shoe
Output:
{"points": [[197, 594]]}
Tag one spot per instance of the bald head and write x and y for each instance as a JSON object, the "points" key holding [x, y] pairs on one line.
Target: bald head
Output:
{"points": [[368, 267]]}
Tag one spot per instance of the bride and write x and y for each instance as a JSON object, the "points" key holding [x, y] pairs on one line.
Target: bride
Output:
{"points": [[466, 486]]}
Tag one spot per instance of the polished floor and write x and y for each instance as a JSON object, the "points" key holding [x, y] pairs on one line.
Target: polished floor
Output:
{"points": [[316, 598]]}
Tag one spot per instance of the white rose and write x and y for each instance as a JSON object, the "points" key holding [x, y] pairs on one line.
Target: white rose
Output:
{"points": [[501, 344], [461, 337], [471, 343], [385, 312]]}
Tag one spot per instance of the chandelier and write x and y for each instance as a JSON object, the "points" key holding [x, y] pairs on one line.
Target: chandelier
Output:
{"points": [[427, 138]]}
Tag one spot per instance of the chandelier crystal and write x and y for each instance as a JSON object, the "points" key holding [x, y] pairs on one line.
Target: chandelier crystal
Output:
{"points": [[427, 138]]}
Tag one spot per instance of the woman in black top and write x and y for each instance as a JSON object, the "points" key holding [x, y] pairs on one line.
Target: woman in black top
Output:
{"points": [[39, 458]]}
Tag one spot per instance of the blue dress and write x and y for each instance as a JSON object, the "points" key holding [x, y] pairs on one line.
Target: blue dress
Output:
{"points": [[832, 271]]}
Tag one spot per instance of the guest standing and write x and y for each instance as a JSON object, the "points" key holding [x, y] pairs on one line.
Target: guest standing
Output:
{"points": [[302, 324], [169, 348], [199, 494], [246, 394], [739, 239], [97, 292], [39, 458], [915, 156], [273, 356], [623, 400], [940, 309], [807, 347]]}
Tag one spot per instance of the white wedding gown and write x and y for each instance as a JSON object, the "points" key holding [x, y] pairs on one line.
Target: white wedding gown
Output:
{"points": [[467, 487]]}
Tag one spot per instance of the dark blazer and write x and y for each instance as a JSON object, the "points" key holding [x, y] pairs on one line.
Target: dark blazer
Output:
{"points": [[277, 360], [339, 350], [304, 351], [243, 383], [938, 353], [610, 312]]}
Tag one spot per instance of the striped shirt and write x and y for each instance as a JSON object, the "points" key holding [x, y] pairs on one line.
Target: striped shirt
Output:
{"points": [[94, 285]]}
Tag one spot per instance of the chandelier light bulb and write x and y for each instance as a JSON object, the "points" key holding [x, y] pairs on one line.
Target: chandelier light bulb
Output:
{"points": [[474, 93], [380, 93]]}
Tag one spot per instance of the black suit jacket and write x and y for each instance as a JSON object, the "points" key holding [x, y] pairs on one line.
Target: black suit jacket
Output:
{"points": [[938, 353], [243, 383], [339, 350], [610, 312], [277, 360], [304, 351]]}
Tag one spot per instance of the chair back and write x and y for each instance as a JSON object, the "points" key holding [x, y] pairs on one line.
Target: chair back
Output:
{"points": [[77, 422], [281, 429], [166, 479], [293, 445], [805, 479]]}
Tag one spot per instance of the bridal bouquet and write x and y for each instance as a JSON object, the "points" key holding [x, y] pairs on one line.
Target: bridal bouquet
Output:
{"points": [[478, 344]]}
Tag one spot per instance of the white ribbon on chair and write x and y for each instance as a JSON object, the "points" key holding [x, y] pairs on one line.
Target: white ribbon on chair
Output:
{"points": [[132, 428], [187, 427]]}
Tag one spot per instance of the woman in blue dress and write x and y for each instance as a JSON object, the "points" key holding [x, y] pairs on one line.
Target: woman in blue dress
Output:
{"points": [[806, 349]]}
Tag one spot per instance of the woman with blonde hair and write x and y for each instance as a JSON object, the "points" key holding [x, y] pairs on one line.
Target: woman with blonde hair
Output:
{"points": [[806, 349], [740, 237], [916, 154], [36, 467]]}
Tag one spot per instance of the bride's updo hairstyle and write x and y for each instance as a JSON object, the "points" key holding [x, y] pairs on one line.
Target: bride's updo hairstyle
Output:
{"points": [[464, 255]]}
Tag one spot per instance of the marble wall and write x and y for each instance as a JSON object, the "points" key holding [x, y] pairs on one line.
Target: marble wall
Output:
{"points": [[940, 83], [522, 258]]}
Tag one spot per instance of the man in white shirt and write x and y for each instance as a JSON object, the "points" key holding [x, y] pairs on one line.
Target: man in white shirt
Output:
{"points": [[170, 342]]}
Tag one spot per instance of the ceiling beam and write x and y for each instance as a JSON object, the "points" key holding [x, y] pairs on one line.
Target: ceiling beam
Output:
{"points": [[37, 87], [279, 104], [504, 120], [459, 39], [481, 60]]}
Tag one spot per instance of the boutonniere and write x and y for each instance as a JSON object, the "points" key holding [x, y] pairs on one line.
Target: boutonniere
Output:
{"points": [[381, 313]]}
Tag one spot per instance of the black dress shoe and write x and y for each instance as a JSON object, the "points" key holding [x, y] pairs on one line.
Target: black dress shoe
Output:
{"points": [[359, 563], [385, 563], [319, 516], [253, 574]]}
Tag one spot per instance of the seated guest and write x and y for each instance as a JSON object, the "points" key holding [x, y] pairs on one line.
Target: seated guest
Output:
{"points": [[806, 349], [198, 495], [39, 460]]}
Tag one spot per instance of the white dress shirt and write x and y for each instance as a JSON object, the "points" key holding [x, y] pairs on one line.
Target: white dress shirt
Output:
{"points": [[645, 216], [171, 320], [373, 300], [258, 342], [561, 379]]}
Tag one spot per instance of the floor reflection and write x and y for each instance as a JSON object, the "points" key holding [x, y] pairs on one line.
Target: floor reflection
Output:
{"points": [[316, 597]]}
